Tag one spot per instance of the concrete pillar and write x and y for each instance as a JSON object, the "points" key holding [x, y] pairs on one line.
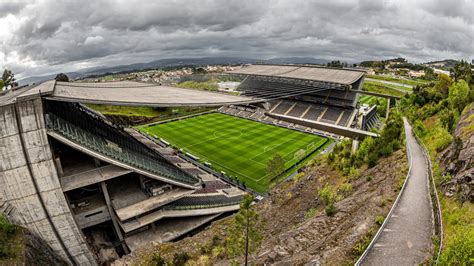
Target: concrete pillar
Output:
{"points": [[388, 108], [59, 166], [117, 230], [355, 146]]}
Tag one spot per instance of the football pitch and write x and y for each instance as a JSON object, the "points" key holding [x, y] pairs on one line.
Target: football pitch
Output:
{"points": [[239, 147]]}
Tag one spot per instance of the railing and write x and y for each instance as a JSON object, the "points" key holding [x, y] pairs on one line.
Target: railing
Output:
{"points": [[100, 145], [177, 205]]}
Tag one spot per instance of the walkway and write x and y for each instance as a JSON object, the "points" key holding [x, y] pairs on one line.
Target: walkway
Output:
{"points": [[406, 237]]}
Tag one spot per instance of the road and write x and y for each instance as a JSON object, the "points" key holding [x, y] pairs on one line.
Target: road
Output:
{"points": [[406, 237]]}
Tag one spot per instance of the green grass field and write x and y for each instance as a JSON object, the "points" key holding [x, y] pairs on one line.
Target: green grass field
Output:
{"points": [[239, 147]]}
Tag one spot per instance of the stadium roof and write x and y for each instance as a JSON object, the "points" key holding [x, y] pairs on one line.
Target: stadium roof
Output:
{"points": [[331, 75], [126, 93]]}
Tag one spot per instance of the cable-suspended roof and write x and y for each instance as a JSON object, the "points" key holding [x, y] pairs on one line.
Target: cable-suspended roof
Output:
{"points": [[322, 74]]}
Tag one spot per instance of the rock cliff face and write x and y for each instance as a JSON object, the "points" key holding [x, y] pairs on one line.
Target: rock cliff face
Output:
{"points": [[37, 252], [458, 159]]}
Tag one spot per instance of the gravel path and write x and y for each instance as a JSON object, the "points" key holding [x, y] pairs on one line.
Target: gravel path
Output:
{"points": [[406, 238]]}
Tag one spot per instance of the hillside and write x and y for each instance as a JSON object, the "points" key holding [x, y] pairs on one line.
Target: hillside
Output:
{"points": [[442, 115], [294, 224], [174, 62]]}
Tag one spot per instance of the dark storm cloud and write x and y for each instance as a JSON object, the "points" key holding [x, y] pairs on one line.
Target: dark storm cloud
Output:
{"points": [[45, 36], [11, 8]]}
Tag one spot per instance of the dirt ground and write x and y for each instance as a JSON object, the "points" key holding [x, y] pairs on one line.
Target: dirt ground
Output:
{"points": [[290, 238]]}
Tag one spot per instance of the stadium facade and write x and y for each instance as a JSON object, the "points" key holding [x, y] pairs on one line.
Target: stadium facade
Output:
{"points": [[68, 174]]}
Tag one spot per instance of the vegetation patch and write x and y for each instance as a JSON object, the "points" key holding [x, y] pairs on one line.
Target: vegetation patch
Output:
{"points": [[382, 89], [434, 110], [197, 85], [370, 149], [11, 241], [412, 82]]}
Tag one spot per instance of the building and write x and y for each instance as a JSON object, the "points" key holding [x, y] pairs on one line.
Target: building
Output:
{"points": [[94, 191]]}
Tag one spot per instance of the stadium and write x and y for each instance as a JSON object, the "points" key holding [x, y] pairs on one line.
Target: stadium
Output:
{"points": [[76, 179]]}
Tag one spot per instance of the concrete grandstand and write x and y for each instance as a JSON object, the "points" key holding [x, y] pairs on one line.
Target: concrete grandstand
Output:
{"points": [[67, 172]]}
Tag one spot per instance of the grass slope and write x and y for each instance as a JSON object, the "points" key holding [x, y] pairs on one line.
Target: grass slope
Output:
{"points": [[237, 146]]}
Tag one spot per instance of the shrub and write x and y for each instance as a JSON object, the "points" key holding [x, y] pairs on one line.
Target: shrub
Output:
{"points": [[362, 245], [180, 259], [346, 189], [372, 160], [369, 178], [6, 227], [309, 213], [327, 194], [459, 250], [379, 220], [330, 209], [158, 260]]}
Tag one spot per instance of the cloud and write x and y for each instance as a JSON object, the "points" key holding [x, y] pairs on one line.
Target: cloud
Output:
{"points": [[93, 40], [49, 36]]}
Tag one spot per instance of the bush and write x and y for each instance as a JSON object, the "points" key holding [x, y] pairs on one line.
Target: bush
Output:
{"points": [[346, 189], [158, 260], [362, 245], [459, 250], [379, 220], [330, 209], [6, 227], [180, 259], [327, 194], [310, 213]]}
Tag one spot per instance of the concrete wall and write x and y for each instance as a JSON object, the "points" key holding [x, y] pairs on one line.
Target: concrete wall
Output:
{"points": [[29, 182]]}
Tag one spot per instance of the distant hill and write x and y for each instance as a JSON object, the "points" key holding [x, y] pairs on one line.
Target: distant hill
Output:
{"points": [[175, 62], [445, 64], [296, 60]]}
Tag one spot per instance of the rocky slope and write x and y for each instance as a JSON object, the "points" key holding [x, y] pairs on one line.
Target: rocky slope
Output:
{"points": [[458, 159], [295, 227], [28, 249]]}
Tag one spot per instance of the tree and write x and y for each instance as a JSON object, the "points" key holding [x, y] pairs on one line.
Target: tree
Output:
{"points": [[276, 165], [244, 236], [462, 70], [8, 79], [458, 95], [62, 77]]}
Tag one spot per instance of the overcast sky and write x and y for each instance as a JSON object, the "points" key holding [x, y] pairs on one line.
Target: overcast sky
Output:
{"points": [[41, 37]]}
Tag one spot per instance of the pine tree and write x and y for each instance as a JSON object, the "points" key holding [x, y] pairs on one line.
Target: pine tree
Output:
{"points": [[244, 236]]}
